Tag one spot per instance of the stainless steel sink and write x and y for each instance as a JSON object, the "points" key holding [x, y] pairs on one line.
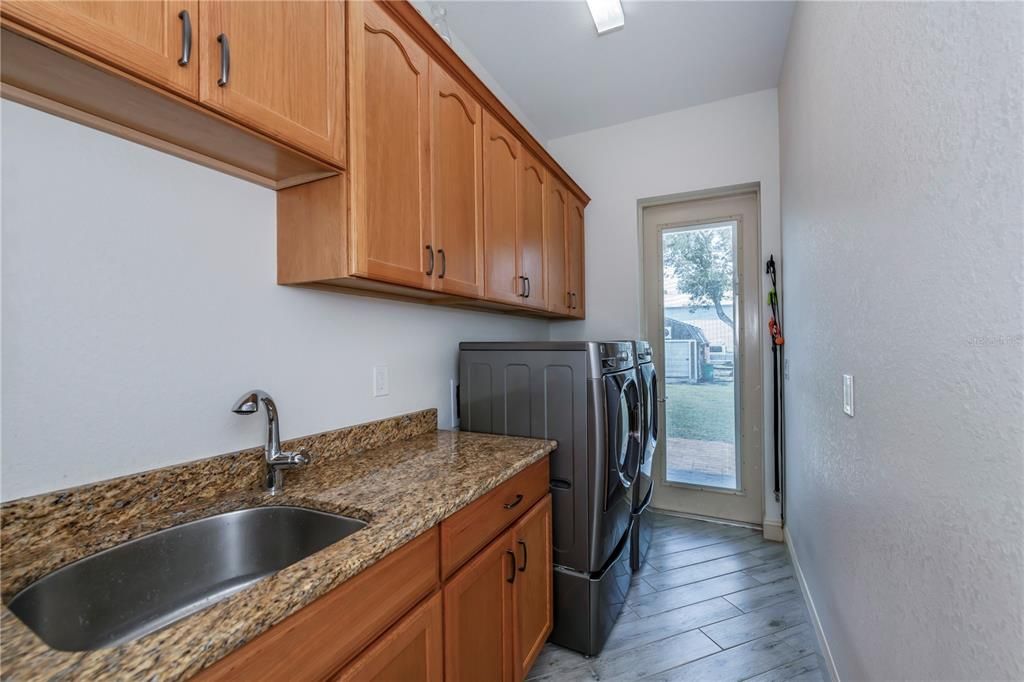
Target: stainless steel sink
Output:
{"points": [[143, 585]]}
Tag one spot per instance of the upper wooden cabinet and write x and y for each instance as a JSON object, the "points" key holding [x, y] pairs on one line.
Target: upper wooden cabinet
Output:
{"points": [[155, 40], [501, 192], [514, 220], [530, 231], [556, 207], [575, 257], [390, 132], [457, 187], [278, 67]]}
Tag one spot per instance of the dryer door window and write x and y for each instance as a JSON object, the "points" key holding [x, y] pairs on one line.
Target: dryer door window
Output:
{"points": [[622, 398]]}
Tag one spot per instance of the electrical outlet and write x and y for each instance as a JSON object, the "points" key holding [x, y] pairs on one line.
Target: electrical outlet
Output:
{"points": [[381, 381], [454, 396], [848, 394]]}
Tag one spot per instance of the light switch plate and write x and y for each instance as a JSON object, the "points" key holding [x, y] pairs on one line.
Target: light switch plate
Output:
{"points": [[848, 394], [381, 381]]}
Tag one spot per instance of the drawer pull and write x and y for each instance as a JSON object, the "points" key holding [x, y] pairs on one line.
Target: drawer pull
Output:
{"points": [[512, 563], [225, 60], [186, 38], [514, 503], [523, 567]]}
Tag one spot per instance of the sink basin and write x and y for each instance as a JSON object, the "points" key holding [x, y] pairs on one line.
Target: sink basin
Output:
{"points": [[133, 589]]}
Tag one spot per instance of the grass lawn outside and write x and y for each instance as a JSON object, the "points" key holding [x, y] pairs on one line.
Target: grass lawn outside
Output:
{"points": [[700, 411]]}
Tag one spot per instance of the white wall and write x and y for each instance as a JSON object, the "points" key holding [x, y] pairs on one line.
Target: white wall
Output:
{"points": [[729, 142], [139, 302], [902, 176], [462, 50]]}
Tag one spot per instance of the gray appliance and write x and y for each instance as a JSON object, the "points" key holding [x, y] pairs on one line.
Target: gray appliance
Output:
{"points": [[643, 488], [585, 395]]}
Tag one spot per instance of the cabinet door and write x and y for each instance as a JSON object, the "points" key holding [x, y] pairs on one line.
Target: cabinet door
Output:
{"points": [[411, 650], [532, 610], [389, 238], [555, 212], [501, 190], [455, 134], [278, 66], [530, 230], [575, 257], [478, 616], [147, 38]]}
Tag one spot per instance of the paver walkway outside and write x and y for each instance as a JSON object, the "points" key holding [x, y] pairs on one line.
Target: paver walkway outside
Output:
{"points": [[701, 462]]}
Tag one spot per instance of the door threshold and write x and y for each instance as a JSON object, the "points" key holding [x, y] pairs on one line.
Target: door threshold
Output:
{"points": [[709, 519]]}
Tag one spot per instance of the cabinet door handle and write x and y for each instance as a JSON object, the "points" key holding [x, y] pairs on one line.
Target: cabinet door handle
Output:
{"points": [[525, 557], [514, 503], [225, 60], [186, 38], [527, 286], [522, 286], [512, 563], [444, 263], [430, 268], [568, 298]]}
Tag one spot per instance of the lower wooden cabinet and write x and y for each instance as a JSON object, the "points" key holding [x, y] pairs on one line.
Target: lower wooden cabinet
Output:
{"points": [[409, 619], [532, 606], [478, 615], [411, 650], [498, 610]]}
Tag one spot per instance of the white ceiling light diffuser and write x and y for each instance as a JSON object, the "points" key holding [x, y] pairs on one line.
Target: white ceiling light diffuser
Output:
{"points": [[607, 15]]}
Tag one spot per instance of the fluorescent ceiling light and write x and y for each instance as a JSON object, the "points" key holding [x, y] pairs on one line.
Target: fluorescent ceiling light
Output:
{"points": [[607, 15]]}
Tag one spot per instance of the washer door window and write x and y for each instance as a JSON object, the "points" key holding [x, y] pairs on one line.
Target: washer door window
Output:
{"points": [[622, 402]]}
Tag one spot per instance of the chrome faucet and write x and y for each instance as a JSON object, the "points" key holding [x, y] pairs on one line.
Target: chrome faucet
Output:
{"points": [[276, 460]]}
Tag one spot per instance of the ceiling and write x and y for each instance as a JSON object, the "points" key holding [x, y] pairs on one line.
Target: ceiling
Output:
{"points": [[549, 59]]}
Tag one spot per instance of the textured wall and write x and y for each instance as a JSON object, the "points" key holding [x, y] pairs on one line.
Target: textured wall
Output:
{"points": [[902, 176], [733, 141], [139, 302]]}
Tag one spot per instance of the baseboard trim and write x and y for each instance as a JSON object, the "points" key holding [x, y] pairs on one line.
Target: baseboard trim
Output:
{"points": [[772, 529], [812, 612]]}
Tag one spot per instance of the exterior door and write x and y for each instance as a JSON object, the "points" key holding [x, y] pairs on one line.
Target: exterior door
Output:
{"points": [[532, 605], [575, 257], [702, 275], [411, 650], [153, 39], [478, 616], [501, 192], [455, 130], [556, 206], [278, 67], [530, 232], [390, 230]]}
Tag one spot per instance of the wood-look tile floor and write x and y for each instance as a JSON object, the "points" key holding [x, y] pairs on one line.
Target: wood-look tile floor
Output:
{"points": [[712, 602]]}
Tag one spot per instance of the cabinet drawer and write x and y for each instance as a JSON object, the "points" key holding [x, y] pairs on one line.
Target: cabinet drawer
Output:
{"points": [[470, 529], [317, 640]]}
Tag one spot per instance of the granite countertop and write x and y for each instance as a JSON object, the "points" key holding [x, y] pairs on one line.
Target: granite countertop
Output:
{"points": [[401, 488]]}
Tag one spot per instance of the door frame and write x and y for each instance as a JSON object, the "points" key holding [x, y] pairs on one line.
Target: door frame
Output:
{"points": [[751, 351]]}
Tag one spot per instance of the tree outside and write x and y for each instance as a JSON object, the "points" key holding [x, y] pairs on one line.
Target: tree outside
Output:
{"points": [[700, 263]]}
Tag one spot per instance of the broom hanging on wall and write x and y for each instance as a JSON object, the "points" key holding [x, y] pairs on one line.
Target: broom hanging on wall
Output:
{"points": [[778, 393]]}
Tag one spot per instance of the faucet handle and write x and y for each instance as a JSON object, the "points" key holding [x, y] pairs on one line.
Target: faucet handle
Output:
{"points": [[301, 457], [295, 458]]}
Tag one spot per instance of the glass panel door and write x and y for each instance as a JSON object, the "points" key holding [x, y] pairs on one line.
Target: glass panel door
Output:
{"points": [[700, 304], [702, 300]]}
